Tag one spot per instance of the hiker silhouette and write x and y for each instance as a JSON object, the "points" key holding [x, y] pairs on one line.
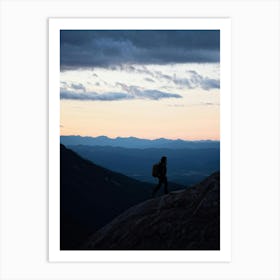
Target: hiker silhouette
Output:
{"points": [[162, 179]]}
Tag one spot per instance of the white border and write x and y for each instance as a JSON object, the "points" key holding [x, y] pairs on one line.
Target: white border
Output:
{"points": [[255, 127], [55, 25]]}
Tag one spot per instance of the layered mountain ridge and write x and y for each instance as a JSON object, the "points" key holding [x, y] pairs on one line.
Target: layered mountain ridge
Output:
{"points": [[134, 142]]}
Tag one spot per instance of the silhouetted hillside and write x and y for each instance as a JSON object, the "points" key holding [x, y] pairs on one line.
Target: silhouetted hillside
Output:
{"points": [[183, 220], [91, 196]]}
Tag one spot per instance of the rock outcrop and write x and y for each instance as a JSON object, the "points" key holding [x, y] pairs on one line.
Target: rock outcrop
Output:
{"points": [[184, 220]]}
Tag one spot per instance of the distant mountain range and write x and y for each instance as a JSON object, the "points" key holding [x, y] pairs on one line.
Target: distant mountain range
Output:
{"points": [[184, 166], [138, 143], [188, 161]]}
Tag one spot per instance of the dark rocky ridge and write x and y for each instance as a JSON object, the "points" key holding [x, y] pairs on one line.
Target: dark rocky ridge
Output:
{"points": [[91, 196], [182, 220]]}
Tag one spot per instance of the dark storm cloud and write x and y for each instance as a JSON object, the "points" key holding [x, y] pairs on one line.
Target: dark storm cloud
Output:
{"points": [[131, 92], [87, 48]]}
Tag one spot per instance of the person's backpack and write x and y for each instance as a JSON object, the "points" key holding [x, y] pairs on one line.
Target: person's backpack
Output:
{"points": [[155, 171]]}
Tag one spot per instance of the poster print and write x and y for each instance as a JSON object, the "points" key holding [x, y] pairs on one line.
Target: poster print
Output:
{"points": [[140, 140]]}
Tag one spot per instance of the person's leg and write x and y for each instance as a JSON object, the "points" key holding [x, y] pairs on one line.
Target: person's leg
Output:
{"points": [[165, 185], [157, 187]]}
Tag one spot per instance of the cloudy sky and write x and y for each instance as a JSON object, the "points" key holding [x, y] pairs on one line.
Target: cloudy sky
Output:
{"points": [[142, 83]]}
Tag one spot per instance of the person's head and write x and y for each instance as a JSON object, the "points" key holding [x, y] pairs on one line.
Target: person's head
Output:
{"points": [[164, 159]]}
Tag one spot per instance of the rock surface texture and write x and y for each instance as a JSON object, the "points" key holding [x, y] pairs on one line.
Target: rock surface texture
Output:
{"points": [[183, 220]]}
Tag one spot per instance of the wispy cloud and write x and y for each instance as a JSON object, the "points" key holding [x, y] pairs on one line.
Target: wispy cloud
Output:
{"points": [[130, 93], [192, 81], [176, 105], [72, 86], [209, 104], [203, 82], [78, 87], [86, 96], [156, 94], [149, 80]]}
